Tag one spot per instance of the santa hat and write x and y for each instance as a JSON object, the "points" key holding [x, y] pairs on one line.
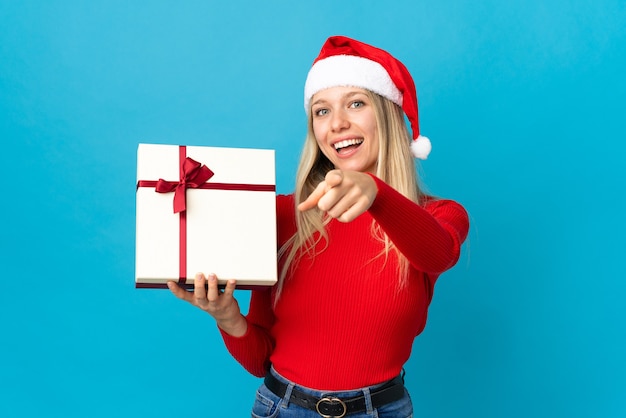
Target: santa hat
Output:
{"points": [[347, 62]]}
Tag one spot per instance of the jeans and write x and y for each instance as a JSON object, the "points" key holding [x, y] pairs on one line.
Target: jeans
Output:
{"points": [[268, 405]]}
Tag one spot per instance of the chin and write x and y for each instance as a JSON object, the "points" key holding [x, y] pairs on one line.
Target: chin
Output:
{"points": [[351, 167]]}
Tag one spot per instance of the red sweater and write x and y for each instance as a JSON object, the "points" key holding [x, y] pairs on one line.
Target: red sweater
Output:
{"points": [[342, 322]]}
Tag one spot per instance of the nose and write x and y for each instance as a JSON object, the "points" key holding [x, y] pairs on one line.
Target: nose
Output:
{"points": [[339, 121]]}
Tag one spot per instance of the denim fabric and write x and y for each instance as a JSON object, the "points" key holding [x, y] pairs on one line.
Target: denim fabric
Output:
{"points": [[268, 405]]}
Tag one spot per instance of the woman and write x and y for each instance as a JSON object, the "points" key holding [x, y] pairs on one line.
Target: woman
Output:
{"points": [[360, 250]]}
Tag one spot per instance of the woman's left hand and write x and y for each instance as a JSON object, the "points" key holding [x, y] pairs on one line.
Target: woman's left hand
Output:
{"points": [[344, 195]]}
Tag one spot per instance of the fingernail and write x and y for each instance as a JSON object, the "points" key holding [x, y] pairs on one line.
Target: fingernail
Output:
{"points": [[212, 277]]}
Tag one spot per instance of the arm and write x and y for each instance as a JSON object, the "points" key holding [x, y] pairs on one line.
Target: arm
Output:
{"points": [[430, 236], [253, 349], [246, 338]]}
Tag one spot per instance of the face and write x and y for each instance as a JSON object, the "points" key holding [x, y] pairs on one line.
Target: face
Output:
{"points": [[345, 128]]}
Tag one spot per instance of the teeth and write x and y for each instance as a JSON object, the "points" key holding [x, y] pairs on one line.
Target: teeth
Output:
{"points": [[347, 143]]}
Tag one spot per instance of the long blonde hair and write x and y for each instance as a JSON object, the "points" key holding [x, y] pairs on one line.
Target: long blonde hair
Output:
{"points": [[395, 166]]}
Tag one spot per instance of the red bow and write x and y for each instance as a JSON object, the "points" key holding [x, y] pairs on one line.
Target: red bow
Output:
{"points": [[192, 175]]}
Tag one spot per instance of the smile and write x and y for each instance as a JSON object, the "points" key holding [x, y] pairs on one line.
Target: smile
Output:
{"points": [[347, 143]]}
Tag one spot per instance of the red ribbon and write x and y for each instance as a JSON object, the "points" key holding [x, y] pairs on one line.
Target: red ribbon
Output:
{"points": [[193, 175]]}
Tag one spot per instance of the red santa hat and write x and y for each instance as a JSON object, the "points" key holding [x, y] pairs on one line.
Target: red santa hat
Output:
{"points": [[348, 62]]}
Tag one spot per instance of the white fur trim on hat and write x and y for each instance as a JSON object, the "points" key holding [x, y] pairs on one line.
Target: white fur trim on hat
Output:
{"points": [[420, 147], [349, 70]]}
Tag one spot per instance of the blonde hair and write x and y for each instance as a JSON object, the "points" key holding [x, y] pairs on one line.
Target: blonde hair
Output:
{"points": [[395, 166]]}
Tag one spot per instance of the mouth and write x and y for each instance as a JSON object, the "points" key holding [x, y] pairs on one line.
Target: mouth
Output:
{"points": [[347, 145]]}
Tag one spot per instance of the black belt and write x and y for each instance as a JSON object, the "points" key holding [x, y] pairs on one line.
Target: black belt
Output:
{"points": [[331, 406]]}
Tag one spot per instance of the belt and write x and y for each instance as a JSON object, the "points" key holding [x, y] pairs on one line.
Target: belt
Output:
{"points": [[329, 406]]}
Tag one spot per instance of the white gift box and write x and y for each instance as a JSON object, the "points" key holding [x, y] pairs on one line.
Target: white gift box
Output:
{"points": [[228, 226]]}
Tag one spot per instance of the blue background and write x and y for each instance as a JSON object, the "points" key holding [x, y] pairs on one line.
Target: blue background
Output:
{"points": [[524, 102]]}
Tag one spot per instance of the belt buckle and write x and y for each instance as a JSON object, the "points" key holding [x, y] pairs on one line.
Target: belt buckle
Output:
{"points": [[332, 401]]}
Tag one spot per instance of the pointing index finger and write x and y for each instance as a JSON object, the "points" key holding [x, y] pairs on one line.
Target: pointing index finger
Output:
{"points": [[311, 201]]}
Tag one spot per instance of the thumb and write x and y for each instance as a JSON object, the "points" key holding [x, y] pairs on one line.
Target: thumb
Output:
{"points": [[333, 178]]}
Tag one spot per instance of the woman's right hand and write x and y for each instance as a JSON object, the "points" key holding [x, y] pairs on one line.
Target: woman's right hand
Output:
{"points": [[220, 305], [343, 195]]}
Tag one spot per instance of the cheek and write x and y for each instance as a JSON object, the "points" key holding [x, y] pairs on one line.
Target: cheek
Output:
{"points": [[320, 137], [318, 131], [372, 128], [324, 149]]}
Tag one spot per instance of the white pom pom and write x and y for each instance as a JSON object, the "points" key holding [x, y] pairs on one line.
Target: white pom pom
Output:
{"points": [[420, 148]]}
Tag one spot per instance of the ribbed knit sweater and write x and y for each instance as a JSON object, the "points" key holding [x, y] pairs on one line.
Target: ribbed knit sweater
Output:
{"points": [[343, 321]]}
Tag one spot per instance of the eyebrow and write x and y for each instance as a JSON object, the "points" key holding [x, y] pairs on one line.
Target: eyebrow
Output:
{"points": [[347, 95]]}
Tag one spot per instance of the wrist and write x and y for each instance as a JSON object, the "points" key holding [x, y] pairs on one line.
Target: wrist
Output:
{"points": [[235, 327]]}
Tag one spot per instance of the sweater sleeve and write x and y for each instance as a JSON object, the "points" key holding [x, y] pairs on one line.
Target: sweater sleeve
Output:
{"points": [[429, 235], [253, 349]]}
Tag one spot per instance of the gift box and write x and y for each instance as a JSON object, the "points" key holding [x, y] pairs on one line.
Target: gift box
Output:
{"points": [[205, 209]]}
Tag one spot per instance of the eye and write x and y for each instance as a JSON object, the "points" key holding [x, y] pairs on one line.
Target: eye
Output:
{"points": [[320, 112], [357, 103]]}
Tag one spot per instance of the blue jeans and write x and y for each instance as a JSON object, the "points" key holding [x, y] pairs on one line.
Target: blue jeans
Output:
{"points": [[268, 405]]}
